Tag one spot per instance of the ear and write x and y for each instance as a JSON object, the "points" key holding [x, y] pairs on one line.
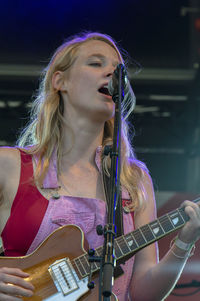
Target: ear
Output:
{"points": [[58, 81]]}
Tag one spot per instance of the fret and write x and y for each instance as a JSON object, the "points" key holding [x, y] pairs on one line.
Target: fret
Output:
{"points": [[85, 273], [156, 228], [151, 231], [98, 252], [139, 238], [142, 234], [166, 223], [172, 223], [131, 241], [160, 225], [94, 266], [127, 248], [132, 234], [80, 267], [123, 245], [85, 263], [183, 214], [118, 251], [147, 233], [126, 243], [176, 219]]}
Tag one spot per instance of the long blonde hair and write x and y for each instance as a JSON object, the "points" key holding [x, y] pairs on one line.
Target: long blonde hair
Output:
{"points": [[44, 132]]}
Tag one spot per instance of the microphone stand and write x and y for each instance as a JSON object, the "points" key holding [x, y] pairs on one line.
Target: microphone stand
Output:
{"points": [[108, 258]]}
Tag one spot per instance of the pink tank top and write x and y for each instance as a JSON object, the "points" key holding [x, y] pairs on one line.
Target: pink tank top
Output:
{"points": [[87, 213]]}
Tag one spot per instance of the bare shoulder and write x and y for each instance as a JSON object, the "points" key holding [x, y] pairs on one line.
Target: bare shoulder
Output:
{"points": [[9, 163], [9, 156]]}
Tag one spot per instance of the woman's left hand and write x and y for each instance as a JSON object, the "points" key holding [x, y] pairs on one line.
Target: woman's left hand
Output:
{"points": [[191, 231]]}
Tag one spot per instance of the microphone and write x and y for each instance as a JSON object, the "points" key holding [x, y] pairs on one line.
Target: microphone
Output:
{"points": [[113, 87]]}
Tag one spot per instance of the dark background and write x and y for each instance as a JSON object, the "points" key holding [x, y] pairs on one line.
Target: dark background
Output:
{"points": [[163, 36]]}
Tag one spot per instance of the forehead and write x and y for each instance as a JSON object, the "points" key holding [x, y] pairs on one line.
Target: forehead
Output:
{"points": [[93, 47]]}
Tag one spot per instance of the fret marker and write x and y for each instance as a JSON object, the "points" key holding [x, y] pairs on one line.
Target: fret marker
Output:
{"points": [[156, 230], [175, 220], [130, 243]]}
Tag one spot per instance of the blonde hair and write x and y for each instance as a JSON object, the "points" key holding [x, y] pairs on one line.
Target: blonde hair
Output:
{"points": [[44, 132]]}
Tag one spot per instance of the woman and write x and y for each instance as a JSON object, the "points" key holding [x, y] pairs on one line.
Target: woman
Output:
{"points": [[72, 120]]}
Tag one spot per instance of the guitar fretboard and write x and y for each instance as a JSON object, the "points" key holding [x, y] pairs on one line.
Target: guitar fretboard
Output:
{"points": [[132, 242]]}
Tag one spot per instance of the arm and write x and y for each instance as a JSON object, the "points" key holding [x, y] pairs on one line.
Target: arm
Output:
{"points": [[159, 278], [9, 179]]}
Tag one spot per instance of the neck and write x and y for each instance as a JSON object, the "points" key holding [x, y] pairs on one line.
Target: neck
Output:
{"points": [[80, 142]]}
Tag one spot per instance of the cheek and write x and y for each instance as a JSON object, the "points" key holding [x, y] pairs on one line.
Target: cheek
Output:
{"points": [[87, 79], [82, 82]]}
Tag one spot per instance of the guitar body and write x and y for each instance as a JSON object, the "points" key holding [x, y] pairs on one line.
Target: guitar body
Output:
{"points": [[67, 241]]}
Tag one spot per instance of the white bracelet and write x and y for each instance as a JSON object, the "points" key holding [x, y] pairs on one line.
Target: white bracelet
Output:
{"points": [[187, 255], [182, 245], [189, 248]]}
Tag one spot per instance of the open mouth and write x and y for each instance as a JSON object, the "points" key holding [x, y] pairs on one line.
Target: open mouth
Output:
{"points": [[104, 90]]}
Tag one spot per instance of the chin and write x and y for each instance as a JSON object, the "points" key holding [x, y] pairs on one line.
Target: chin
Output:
{"points": [[102, 115], [110, 109]]}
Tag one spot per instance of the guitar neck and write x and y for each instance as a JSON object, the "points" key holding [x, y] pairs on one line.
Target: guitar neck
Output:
{"points": [[129, 244]]}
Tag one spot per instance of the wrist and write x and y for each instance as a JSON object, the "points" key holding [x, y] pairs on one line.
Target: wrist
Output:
{"points": [[181, 249], [182, 245]]}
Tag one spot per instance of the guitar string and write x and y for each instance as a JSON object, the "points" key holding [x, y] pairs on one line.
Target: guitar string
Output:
{"points": [[121, 240], [137, 231], [145, 230], [76, 266]]}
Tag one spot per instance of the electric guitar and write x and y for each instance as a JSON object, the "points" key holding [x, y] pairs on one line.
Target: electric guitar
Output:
{"points": [[59, 267]]}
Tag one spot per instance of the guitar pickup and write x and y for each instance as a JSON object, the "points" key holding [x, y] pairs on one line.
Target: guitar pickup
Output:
{"points": [[64, 276]]}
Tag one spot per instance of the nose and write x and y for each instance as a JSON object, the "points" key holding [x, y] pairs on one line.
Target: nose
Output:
{"points": [[109, 75], [109, 72]]}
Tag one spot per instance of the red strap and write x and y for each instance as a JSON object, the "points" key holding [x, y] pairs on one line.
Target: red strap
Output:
{"points": [[26, 176]]}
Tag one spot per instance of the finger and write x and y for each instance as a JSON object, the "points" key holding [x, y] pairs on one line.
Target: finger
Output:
{"points": [[194, 210], [192, 204], [186, 203], [14, 290], [4, 297], [17, 280], [14, 271], [190, 211], [5, 278]]}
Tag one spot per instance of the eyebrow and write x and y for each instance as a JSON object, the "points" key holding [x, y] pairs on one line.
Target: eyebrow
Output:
{"points": [[101, 56]]}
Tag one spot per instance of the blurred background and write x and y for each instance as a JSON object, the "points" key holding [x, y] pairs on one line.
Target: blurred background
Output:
{"points": [[162, 36]]}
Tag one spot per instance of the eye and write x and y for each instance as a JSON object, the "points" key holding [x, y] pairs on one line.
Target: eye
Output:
{"points": [[96, 64]]}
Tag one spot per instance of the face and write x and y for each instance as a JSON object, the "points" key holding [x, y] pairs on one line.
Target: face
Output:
{"points": [[92, 70]]}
